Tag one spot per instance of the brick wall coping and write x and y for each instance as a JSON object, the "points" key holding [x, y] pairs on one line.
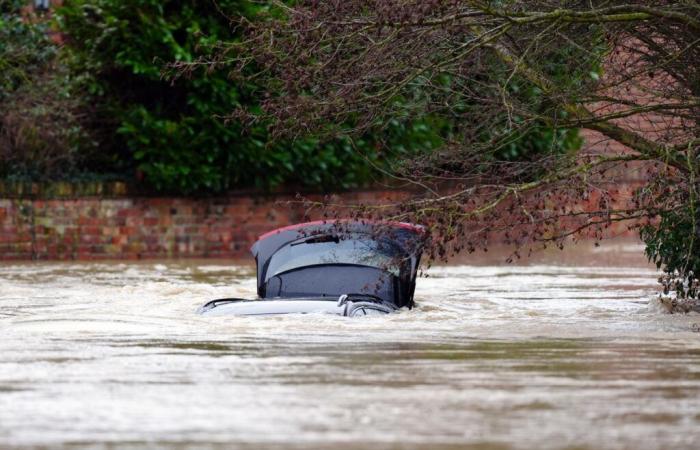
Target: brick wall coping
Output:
{"points": [[72, 190]]}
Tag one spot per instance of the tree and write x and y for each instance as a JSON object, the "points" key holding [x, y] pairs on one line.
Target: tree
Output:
{"points": [[626, 72]]}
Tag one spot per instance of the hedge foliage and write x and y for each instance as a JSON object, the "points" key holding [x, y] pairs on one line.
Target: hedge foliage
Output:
{"points": [[173, 130], [41, 132], [102, 105]]}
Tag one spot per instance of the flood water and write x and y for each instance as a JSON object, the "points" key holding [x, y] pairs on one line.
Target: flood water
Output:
{"points": [[550, 354]]}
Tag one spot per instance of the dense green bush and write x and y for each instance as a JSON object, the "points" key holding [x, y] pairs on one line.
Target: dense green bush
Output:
{"points": [[674, 246], [172, 130], [24, 47], [41, 133], [170, 133]]}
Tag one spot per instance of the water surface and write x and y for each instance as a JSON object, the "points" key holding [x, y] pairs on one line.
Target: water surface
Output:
{"points": [[555, 354]]}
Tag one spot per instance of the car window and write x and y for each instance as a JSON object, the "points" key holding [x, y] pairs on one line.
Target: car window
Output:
{"points": [[329, 249]]}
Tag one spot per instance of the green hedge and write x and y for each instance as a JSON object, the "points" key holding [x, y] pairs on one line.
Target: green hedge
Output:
{"points": [[103, 109], [41, 132], [172, 131]]}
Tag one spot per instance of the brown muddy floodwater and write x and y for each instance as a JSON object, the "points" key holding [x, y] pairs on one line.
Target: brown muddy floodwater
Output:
{"points": [[555, 354]]}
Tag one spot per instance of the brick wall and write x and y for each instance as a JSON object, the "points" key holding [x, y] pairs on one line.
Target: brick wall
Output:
{"points": [[139, 227], [104, 222]]}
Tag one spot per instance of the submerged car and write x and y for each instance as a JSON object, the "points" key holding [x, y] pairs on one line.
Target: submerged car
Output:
{"points": [[344, 267]]}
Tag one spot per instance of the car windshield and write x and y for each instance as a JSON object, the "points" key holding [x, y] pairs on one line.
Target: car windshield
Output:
{"points": [[331, 249]]}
